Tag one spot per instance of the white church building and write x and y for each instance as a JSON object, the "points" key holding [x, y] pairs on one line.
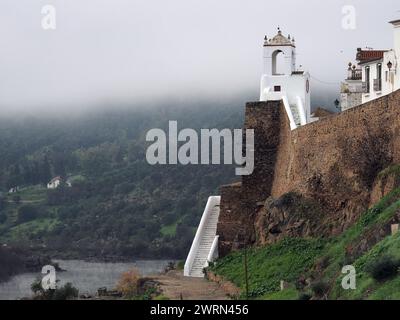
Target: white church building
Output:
{"points": [[282, 80]]}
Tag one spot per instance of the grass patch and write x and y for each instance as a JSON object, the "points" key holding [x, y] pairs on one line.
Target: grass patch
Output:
{"points": [[373, 218], [288, 294], [292, 258], [391, 170], [367, 287], [29, 229], [169, 230], [267, 266]]}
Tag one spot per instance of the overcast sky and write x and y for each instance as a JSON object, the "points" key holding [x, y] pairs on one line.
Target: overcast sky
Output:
{"points": [[106, 51]]}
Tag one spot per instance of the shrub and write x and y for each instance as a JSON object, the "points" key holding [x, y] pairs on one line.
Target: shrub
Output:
{"points": [[320, 288], [27, 213], [36, 287], [3, 203], [128, 283], [67, 292], [161, 297], [16, 199], [3, 217], [286, 201], [10, 263], [180, 265], [383, 269], [305, 296]]}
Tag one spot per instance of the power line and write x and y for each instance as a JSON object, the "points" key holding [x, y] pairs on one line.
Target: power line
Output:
{"points": [[326, 82]]}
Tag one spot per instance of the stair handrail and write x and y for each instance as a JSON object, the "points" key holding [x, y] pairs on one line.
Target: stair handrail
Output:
{"points": [[213, 254], [289, 113], [211, 203]]}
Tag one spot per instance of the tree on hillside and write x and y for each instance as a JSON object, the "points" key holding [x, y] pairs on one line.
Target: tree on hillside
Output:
{"points": [[26, 213], [45, 171]]}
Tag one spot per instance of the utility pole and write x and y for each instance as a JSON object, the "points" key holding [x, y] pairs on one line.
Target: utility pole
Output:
{"points": [[246, 272], [241, 243]]}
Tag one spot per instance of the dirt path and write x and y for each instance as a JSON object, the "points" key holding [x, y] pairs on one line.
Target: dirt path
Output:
{"points": [[174, 286]]}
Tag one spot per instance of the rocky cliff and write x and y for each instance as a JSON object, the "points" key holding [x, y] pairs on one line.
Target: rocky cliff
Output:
{"points": [[315, 180]]}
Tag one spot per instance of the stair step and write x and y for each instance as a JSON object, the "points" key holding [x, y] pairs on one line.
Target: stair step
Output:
{"points": [[206, 241]]}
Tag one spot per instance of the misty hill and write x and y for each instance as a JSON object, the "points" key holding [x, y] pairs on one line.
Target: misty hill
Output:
{"points": [[118, 204]]}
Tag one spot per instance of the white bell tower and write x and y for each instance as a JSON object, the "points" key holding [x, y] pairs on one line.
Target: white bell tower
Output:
{"points": [[281, 80]]}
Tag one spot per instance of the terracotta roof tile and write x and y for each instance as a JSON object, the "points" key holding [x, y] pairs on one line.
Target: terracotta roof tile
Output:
{"points": [[369, 55]]}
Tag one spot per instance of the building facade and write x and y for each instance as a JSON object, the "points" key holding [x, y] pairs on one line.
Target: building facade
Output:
{"points": [[54, 183], [351, 89], [282, 80], [376, 74], [380, 68]]}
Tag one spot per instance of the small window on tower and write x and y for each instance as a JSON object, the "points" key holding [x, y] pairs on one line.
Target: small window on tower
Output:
{"points": [[277, 88]]}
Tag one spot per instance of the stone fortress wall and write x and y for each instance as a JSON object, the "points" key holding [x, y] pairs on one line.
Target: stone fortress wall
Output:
{"points": [[330, 166]]}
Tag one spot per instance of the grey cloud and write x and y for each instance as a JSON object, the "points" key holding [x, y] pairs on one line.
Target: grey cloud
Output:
{"points": [[147, 50]]}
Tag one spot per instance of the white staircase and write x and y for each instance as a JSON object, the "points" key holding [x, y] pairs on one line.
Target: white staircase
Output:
{"points": [[296, 112], [205, 244]]}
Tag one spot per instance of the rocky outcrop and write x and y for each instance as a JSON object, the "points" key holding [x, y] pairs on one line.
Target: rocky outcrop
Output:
{"points": [[289, 216], [387, 180], [315, 180]]}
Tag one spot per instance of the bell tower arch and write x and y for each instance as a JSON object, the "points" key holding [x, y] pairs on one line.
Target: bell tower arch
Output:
{"points": [[281, 80]]}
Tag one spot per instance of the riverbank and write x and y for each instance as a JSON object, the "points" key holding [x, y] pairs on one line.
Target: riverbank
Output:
{"points": [[87, 277], [14, 261], [18, 260]]}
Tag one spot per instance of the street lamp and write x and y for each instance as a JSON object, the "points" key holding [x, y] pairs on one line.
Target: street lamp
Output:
{"points": [[390, 65]]}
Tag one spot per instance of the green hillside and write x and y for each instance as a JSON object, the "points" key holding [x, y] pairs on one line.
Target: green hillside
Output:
{"points": [[118, 205], [313, 267]]}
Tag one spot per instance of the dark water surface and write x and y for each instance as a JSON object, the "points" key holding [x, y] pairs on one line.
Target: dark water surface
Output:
{"points": [[86, 276]]}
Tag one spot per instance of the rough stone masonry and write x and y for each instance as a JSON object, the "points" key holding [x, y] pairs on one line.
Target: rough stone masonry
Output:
{"points": [[315, 180]]}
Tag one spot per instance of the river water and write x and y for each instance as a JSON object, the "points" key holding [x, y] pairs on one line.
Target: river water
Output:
{"points": [[86, 276]]}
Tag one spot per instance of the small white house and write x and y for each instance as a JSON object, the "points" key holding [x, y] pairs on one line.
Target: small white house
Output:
{"points": [[54, 183], [380, 68], [13, 190], [282, 80], [376, 74]]}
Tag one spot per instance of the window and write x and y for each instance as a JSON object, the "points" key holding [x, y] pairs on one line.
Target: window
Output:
{"points": [[378, 81], [379, 71], [278, 63], [367, 79], [277, 88]]}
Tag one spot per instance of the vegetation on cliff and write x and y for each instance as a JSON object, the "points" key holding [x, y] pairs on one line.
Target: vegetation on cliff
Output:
{"points": [[286, 260], [313, 267]]}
